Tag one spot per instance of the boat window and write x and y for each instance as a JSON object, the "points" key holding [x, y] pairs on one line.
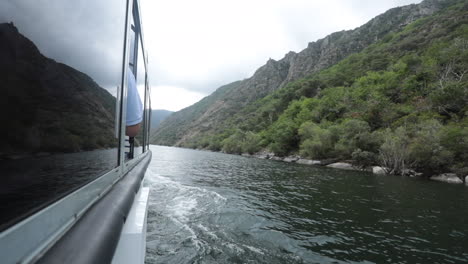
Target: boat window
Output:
{"points": [[60, 73], [147, 113], [135, 144], [132, 57], [141, 72]]}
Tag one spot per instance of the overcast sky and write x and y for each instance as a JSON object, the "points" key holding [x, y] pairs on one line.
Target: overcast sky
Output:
{"points": [[197, 46], [194, 46]]}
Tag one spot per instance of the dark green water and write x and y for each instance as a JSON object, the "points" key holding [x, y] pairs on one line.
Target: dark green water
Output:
{"points": [[216, 208]]}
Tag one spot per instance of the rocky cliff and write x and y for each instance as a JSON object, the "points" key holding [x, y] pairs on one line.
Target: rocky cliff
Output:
{"points": [[47, 106], [212, 112]]}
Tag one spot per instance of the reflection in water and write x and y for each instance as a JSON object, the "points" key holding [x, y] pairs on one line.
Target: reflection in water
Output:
{"points": [[29, 183], [215, 208]]}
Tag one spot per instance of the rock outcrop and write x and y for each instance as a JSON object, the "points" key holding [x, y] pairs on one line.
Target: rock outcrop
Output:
{"points": [[308, 162], [379, 170], [342, 165], [447, 177]]}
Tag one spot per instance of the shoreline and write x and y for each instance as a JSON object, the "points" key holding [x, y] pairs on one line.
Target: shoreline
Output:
{"points": [[447, 177], [336, 163]]}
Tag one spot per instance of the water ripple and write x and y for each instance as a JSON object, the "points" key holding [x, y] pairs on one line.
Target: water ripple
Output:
{"points": [[216, 208]]}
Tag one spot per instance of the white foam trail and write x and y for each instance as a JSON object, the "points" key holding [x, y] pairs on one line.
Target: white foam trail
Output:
{"points": [[157, 180], [234, 247], [193, 236], [254, 249], [183, 207], [208, 232]]}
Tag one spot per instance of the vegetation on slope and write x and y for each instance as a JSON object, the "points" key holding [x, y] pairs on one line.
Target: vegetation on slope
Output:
{"points": [[175, 126], [157, 116], [212, 113], [402, 103]]}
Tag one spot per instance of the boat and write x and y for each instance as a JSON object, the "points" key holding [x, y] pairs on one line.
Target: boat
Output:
{"points": [[72, 180]]}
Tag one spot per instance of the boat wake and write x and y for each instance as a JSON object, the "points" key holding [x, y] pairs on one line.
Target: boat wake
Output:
{"points": [[177, 211], [189, 224]]}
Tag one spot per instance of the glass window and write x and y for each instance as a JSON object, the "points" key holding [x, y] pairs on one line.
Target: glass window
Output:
{"points": [[136, 93], [141, 81], [132, 39], [61, 66], [147, 114]]}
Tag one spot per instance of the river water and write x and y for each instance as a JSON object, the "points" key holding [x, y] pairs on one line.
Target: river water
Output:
{"points": [[216, 208]]}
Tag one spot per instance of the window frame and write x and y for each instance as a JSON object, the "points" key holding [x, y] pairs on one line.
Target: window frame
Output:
{"points": [[29, 239]]}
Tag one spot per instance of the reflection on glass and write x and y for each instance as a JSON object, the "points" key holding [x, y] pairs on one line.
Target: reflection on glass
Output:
{"points": [[141, 92], [147, 115], [132, 49], [58, 110], [135, 93]]}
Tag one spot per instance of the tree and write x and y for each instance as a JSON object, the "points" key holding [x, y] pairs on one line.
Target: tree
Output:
{"points": [[251, 143], [394, 153], [233, 144], [317, 142], [425, 148]]}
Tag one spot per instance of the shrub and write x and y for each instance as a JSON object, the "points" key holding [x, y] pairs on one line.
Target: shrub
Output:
{"points": [[283, 136], [363, 159], [425, 148], [232, 144], [394, 152], [251, 143], [317, 142], [454, 137], [352, 134]]}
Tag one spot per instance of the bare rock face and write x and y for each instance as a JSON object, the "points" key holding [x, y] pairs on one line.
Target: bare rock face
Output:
{"points": [[447, 177]]}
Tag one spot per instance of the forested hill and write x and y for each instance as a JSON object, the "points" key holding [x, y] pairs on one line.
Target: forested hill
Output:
{"points": [[185, 127], [392, 91]]}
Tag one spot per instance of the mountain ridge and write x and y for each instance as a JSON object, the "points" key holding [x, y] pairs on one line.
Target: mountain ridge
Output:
{"points": [[180, 129], [157, 116]]}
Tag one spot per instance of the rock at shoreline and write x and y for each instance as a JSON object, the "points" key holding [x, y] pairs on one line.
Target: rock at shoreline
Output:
{"points": [[308, 162], [447, 177], [263, 155], [466, 180], [291, 159], [379, 170], [342, 165]]}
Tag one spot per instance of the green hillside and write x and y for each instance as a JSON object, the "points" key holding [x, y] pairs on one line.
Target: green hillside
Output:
{"points": [[402, 102], [157, 116], [207, 116]]}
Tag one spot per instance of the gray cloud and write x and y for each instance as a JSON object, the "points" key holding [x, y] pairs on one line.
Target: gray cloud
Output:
{"points": [[232, 41], [86, 35], [200, 47]]}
